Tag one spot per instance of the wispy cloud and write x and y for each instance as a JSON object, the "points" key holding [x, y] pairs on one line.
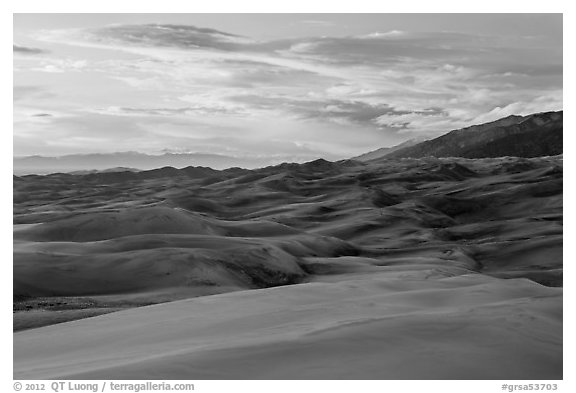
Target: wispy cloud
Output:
{"points": [[317, 22], [158, 35], [171, 112], [60, 65], [25, 50]]}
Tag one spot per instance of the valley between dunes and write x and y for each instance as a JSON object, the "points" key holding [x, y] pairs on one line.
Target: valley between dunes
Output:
{"points": [[387, 269]]}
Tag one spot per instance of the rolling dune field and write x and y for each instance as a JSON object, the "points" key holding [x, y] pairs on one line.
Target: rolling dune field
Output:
{"points": [[386, 269]]}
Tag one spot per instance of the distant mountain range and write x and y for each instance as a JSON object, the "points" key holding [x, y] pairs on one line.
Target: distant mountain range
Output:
{"points": [[534, 135], [85, 163]]}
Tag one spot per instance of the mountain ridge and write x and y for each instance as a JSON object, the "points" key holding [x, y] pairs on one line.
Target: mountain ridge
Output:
{"points": [[534, 135], [387, 150]]}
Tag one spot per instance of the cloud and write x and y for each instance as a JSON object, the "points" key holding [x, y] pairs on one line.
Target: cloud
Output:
{"points": [[439, 47], [386, 35], [25, 50], [197, 110], [166, 35], [332, 110], [545, 103], [60, 65], [421, 122], [177, 85]]}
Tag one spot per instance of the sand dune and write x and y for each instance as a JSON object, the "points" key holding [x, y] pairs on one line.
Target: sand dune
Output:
{"points": [[409, 268], [147, 220], [386, 327]]}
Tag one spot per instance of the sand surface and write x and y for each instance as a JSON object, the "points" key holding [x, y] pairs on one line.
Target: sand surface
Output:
{"points": [[368, 326], [390, 269]]}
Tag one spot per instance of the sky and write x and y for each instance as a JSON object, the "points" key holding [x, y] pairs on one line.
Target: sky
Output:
{"points": [[289, 86]]}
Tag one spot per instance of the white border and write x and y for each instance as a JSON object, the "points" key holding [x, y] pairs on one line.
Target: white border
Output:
{"points": [[300, 6]]}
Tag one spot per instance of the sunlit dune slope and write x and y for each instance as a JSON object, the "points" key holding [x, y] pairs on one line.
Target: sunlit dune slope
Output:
{"points": [[373, 326]]}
